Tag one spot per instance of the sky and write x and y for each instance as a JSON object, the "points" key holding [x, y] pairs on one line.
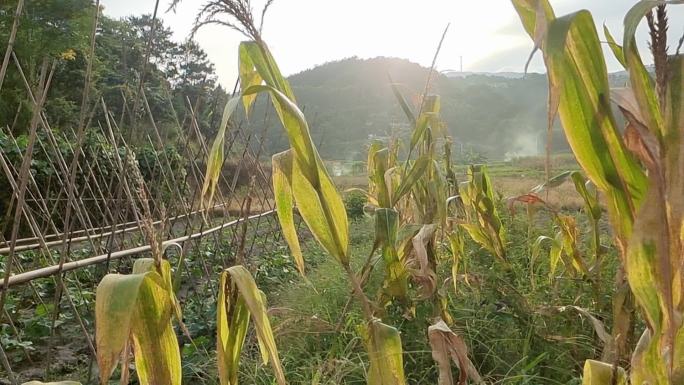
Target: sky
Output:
{"points": [[485, 34]]}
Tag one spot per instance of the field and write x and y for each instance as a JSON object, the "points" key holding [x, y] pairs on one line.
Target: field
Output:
{"points": [[161, 235]]}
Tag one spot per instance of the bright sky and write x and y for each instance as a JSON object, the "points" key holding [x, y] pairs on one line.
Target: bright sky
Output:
{"points": [[306, 33]]}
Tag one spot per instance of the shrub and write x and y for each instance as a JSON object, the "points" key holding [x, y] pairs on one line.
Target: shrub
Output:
{"points": [[354, 202]]}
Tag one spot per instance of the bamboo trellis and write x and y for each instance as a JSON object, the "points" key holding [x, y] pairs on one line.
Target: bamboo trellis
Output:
{"points": [[59, 238]]}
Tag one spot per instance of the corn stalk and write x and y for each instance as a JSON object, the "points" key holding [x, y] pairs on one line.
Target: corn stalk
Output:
{"points": [[639, 172]]}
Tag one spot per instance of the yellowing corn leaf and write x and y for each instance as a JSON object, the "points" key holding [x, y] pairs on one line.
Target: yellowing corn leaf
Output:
{"points": [[447, 346], [323, 211], [115, 299], [215, 159], [232, 321], [383, 344], [249, 76], [601, 373], [155, 346], [239, 298], [284, 200], [138, 306], [457, 246], [578, 77], [386, 232], [318, 201]]}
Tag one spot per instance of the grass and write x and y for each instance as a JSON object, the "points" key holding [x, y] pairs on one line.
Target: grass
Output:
{"points": [[319, 343]]}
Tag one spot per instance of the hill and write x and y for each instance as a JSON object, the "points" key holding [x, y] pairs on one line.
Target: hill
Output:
{"points": [[350, 100]]}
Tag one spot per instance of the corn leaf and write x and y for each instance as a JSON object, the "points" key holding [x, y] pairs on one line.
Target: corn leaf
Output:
{"points": [[457, 248], [615, 47], [641, 82], [115, 299], [386, 233], [601, 373], [577, 69], [447, 346], [415, 173], [216, 155], [553, 182], [402, 102], [319, 203], [249, 76], [138, 306], [241, 298], [426, 275], [155, 346], [231, 328], [284, 200], [383, 344], [528, 10]]}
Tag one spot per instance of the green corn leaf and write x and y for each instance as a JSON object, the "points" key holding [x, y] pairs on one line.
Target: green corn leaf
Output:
{"points": [[528, 10], [284, 200], [416, 172], [553, 182], [601, 373], [457, 247], [590, 199], [216, 155], [648, 365], [379, 160], [674, 107], [402, 102], [555, 256], [386, 233], [428, 119], [383, 344], [648, 263], [615, 47], [536, 248], [478, 235], [238, 285], [578, 71], [263, 63]]}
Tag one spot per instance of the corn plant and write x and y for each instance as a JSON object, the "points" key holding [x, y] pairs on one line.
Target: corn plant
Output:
{"points": [[482, 221], [299, 179], [589, 194], [639, 172], [239, 298]]}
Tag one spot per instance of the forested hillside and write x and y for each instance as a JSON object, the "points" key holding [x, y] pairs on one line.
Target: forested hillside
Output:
{"points": [[58, 33], [351, 99]]}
